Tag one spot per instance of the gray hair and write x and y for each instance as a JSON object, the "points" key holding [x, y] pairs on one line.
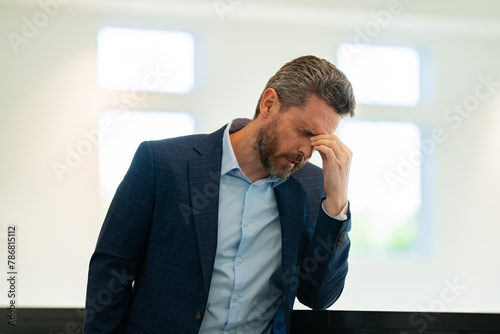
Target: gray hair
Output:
{"points": [[298, 79]]}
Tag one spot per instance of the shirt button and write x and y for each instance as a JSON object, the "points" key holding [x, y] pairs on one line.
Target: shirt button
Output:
{"points": [[198, 316], [246, 223], [236, 297], [240, 260]]}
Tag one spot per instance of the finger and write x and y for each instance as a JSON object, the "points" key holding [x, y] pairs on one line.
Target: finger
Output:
{"points": [[324, 136], [338, 147], [324, 139], [332, 141], [326, 152]]}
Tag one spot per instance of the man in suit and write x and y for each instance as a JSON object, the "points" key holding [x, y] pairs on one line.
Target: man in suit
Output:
{"points": [[219, 233]]}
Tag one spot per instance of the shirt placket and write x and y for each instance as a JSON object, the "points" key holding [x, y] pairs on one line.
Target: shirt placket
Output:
{"points": [[239, 262]]}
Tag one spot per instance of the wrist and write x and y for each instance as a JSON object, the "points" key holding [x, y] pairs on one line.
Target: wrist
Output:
{"points": [[334, 207]]}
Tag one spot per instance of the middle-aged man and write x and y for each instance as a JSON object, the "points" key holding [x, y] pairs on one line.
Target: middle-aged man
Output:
{"points": [[219, 233]]}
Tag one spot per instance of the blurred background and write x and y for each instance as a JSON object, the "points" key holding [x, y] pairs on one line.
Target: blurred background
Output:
{"points": [[84, 82]]}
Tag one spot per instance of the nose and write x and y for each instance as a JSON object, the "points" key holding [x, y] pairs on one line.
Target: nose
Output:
{"points": [[306, 149]]}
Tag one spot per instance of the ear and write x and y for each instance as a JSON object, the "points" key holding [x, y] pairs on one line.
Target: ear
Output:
{"points": [[270, 103]]}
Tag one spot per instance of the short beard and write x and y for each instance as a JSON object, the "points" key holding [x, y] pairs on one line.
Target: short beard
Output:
{"points": [[267, 147]]}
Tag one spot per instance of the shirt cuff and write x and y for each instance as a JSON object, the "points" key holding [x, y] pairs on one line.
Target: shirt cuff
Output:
{"points": [[341, 216]]}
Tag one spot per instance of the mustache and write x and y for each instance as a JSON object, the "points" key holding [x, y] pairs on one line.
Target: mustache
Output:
{"points": [[298, 159]]}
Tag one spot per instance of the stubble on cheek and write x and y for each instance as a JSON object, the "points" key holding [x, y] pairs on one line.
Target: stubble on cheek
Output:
{"points": [[267, 147]]}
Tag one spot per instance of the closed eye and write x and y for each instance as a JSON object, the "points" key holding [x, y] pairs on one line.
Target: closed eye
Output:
{"points": [[306, 132]]}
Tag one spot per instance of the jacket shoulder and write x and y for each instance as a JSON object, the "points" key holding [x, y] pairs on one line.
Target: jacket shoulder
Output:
{"points": [[178, 146], [185, 147]]}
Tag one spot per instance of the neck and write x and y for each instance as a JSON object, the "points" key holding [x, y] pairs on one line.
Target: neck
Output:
{"points": [[243, 143]]}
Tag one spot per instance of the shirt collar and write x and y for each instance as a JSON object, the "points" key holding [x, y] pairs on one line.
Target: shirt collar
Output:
{"points": [[229, 164]]}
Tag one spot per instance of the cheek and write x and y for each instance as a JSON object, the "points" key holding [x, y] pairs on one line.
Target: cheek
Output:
{"points": [[288, 138], [290, 143]]}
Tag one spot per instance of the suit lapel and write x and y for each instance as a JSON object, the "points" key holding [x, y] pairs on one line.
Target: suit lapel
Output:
{"points": [[291, 201], [204, 180]]}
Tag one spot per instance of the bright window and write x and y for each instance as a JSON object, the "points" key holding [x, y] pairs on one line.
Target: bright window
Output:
{"points": [[384, 185], [383, 75], [145, 60], [126, 130]]}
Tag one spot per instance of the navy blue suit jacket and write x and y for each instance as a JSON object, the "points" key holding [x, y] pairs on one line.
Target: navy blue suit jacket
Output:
{"points": [[153, 262]]}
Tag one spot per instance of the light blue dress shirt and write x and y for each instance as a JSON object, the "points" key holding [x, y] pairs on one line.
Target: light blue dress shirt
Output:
{"points": [[245, 291]]}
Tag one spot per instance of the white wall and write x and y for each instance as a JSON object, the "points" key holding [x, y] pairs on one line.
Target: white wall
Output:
{"points": [[49, 97]]}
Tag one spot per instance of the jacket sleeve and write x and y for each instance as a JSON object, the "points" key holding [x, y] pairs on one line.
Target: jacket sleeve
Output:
{"points": [[324, 268], [120, 247]]}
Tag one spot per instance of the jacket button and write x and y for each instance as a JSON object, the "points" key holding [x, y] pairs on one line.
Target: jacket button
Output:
{"points": [[341, 240], [198, 316]]}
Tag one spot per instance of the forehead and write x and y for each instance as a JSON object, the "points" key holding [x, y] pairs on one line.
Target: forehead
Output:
{"points": [[316, 117]]}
